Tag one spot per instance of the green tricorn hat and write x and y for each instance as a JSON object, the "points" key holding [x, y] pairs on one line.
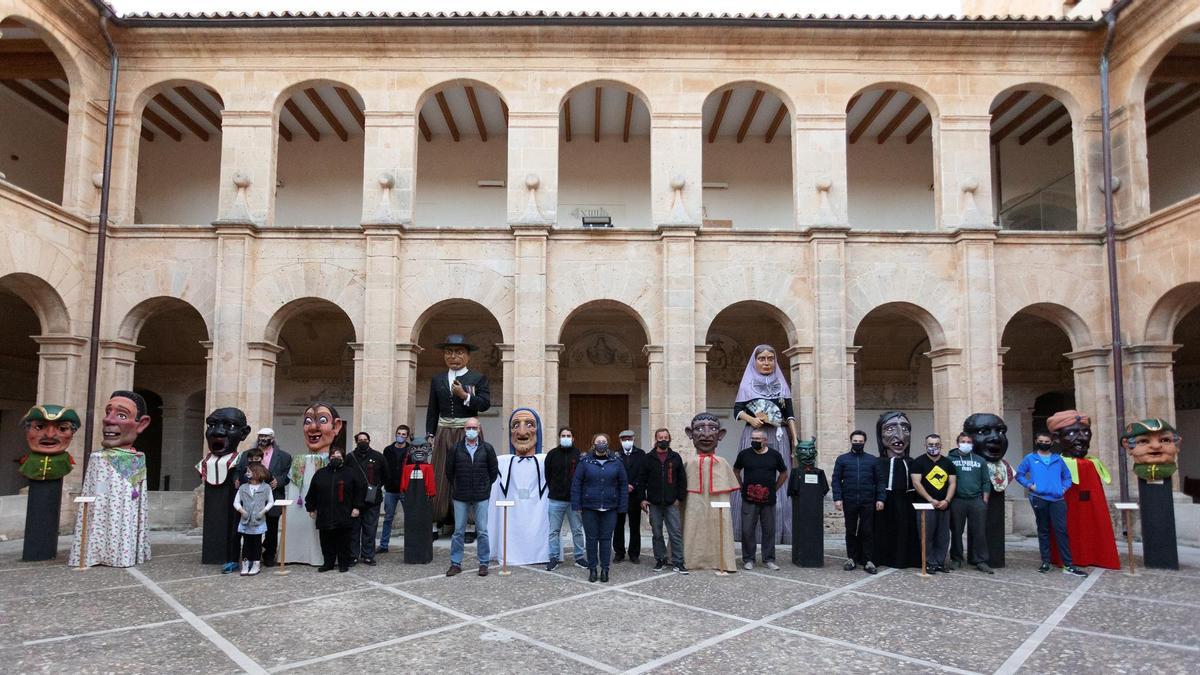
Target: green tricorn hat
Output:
{"points": [[1135, 429], [52, 413]]}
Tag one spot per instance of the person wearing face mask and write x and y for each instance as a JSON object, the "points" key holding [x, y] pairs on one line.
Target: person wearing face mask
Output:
{"points": [[370, 465], [599, 491], [335, 498], [973, 486], [1046, 478], [560, 471], [393, 462], [279, 464], [761, 471], [663, 483], [632, 457], [471, 468], [858, 492], [934, 477]]}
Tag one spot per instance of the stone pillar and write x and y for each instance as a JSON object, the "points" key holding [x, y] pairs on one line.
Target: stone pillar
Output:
{"points": [[262, 357], [657, 386], [833, 392], [117, 361], [676, 167], [248, 152], [508, 368], [1093, 387], [962, 169], [389, 167], [374, 387], [950, 385], [532, 153], [59, 361], [550, 404], [529, 318], [678, 312], [819, 175], [404, 392], [804, 381], [851, 384], [357, 399], [978, 322], [701, 377], [1151, 377], [84, 157], [235, 260]]}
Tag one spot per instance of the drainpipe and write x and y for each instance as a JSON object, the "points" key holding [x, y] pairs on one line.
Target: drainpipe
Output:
{"points": [[101, 234], [1110, 243]]}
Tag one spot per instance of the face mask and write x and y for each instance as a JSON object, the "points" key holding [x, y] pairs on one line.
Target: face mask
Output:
{"points": [[757, 445], [566, 441], [362, 447], [264, 442], [401, 439], [626, 445], [336, 462], [857, 447], [472, 434], [663, 445], [1044, 447], [933, 450], [965, 447], [601, 449]]}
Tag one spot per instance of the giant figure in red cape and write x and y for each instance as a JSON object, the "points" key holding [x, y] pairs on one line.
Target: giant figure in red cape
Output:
{"points": [[1089, 525]]}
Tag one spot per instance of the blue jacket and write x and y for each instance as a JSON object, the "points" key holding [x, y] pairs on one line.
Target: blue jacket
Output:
{"points": [[1051, 477], [857, 479], [599, 486]]}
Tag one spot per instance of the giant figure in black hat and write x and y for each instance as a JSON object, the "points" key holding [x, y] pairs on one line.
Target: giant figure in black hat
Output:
{"points": [[455, 395], [48, 433], [224, 430]]}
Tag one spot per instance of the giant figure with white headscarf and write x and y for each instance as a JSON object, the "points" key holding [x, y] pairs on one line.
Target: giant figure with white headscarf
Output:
{"points": [[764, 401], [522, 480]]}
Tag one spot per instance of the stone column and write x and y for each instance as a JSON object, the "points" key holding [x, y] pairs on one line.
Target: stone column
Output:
{"points": [[657, 386], [819, 175], [701, 377], [532, 154], [851, 383], [235, 260], [529, 317], [389, 167], [1093, 387], [679, 313], [833, 392], [962, 169], [1151, 376], [248, 152], [508, 368], [84, 157], [550, 404], [59, 361], [375, 386], [404, 392], [978, 322], [676, 168], [358, 397], [803, 377], [262, 357], [117, 361], [950, 405]]}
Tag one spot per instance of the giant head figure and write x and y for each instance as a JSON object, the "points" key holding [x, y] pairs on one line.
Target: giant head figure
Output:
{"points": [[125, 416], [989, 435], [322, 424], [805, 454], [1153, 444], [893, 432], [524, 432], [456, 351], [705, 432], [419, 453], [1071, 431], [48, 433], [225, 429]]}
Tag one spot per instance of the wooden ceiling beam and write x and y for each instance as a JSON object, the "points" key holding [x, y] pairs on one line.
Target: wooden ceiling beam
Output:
{"points": [[1063, 132], [356, 112], [1165, 105], [447, 115], [1178, 68], [899, 119], [776, 122], [314, 97], [49, 86], [750, 113], [477, 114], [866, 122], [567, 114], [1156, 88], [716, 125], [1008, 103], [30, 66], [285, 132], [1023, 117], [504, 109], [305, 123], [1042, 125], [628, 116], [596, 126], [198, 104], [152, 117], [424, 126], [39, 102], [915, 132], [182, 117], [1179, 113], [147, 134], [853, 102]]}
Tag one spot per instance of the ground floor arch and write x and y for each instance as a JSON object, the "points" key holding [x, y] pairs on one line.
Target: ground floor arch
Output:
{"points": [[1038, 377], [19, 372], [893, 371], [481, 329]]}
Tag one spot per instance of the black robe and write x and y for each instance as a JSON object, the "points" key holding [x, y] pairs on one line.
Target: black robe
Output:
{"points": [[333, 494], [220, 542], [808, 516], [418, 519], [897, 540], [42, 510]]}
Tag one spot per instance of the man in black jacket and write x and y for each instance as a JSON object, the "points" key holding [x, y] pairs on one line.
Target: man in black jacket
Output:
{"points": [[858, 493], [393, 460], [370, 465], [471, 468], [279, 463], [560, 471], [663, 484], [334, 500], [632, 456]]}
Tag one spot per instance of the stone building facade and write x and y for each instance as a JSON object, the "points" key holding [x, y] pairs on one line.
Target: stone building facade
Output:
{"points": [[255, 288]]}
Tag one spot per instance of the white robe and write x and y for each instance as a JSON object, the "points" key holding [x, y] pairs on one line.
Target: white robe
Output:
{"points": [[303, 544], [529, 520]]}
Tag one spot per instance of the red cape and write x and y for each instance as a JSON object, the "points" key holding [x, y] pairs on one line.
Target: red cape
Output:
{"points": [[1089, 525]]}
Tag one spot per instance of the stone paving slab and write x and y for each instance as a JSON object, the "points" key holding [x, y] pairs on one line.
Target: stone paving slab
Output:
{"points": [[212, 594], [1066, 653], [35, 618], [176, 648], [493, 594], [959, 590], [1153, 585], [1133, 618], [48, 580], [750, 596], [915, 631]]}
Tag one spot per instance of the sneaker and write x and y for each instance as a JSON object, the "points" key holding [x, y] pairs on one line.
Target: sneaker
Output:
{"points": [[229, 568], [604, 576], [772, 566], [381, 549], [552, 565], [680, 569], [245, 568], [454, 570], [956, 564], [255, 568], [581, 564], [353, 562], [985, 568], [848, 566], [369, 562], [659, 565], [1074, 571], [931, 569], [748, 565], [483, 570], [870, 567], [592, 575], [1044, 568]]}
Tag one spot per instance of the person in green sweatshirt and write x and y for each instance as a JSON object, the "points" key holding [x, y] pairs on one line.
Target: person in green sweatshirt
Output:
{"points": [[969, 508]]}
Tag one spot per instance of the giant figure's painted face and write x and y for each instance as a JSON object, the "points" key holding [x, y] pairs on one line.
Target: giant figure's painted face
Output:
{"points": [[225, 429], [523, 432], [121, 423], [49, 438], [989, 434], [764, 361], [456, 357], [895, 435], [1074, 440], [321, 427], [705, 432]]}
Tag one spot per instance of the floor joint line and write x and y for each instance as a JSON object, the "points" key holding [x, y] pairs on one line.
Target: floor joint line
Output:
{"points": [[1031, 643]]}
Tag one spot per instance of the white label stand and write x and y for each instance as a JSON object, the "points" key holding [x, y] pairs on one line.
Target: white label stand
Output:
{"points": [[505, 504], [721, 538], [284, 503]]}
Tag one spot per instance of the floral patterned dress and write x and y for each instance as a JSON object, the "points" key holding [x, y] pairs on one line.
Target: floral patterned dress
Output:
{"points": [[117, 520], [303, 543]]}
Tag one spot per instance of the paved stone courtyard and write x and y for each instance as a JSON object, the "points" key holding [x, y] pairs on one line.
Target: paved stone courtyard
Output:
{"points": [[175, 615]]}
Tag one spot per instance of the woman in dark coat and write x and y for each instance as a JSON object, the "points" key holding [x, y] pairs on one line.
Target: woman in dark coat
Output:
{"points": [[599, 492], [335, 498]]}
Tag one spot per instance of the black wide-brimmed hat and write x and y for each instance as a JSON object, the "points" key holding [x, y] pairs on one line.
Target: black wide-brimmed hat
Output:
{"points": [[457, 340]]}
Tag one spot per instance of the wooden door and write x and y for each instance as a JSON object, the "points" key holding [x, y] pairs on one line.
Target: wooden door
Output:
{"points": [[598, 413]]}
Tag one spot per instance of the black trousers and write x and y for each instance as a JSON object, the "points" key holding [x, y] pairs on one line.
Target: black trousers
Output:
{"points": [[634, 519], [860, 531], [252, 547], [335, 546], [270, 542]]}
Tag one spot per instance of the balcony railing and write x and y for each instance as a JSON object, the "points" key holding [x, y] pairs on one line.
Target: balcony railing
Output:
{"points": [[1050, 208]]}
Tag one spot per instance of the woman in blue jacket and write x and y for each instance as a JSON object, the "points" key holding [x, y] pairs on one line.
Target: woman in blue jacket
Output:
{"points": [[599, 491]]}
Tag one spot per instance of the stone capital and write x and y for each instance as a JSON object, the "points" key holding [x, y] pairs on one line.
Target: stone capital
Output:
{"points": [[1089, 359], [946, 357], [1162, 355]]}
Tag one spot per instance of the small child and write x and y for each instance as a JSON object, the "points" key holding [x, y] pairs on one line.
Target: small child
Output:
{"points": [[253, 500]]}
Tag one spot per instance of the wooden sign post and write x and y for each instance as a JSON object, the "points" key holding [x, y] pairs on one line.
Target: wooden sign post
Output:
{"points": [[923, 508], [283, 504], [83, 530], [1127, 509]]}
